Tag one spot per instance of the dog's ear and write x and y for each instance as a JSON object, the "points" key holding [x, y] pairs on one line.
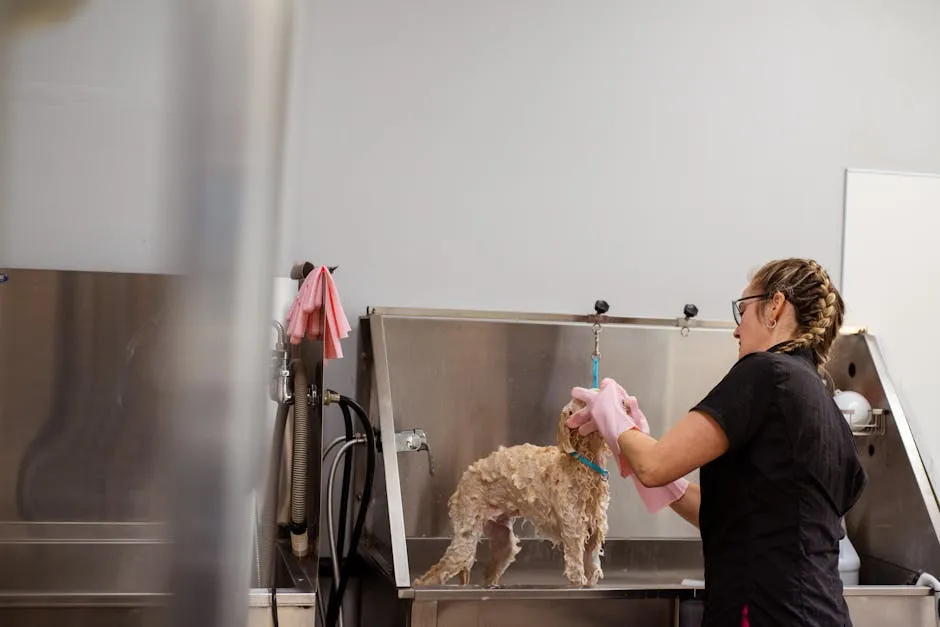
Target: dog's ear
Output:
{"points": [[565, 434], [567, 438]]}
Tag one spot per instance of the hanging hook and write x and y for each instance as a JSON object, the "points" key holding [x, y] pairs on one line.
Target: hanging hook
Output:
{"points": [[689, 311]]}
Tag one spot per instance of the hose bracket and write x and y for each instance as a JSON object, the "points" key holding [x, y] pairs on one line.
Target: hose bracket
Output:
{"points": [[414, 441]]}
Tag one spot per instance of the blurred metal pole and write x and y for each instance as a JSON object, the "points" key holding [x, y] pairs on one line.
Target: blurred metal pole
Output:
{"points": [[231, 61]]}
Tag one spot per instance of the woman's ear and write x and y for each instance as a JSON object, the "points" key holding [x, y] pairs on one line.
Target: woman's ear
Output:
{"points": [[774, 307]]}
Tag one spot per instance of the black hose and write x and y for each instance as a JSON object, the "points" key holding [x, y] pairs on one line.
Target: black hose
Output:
{"points": [[344, 494], [336, 597]]}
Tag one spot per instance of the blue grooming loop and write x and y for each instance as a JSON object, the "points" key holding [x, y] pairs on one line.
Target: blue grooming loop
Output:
{"points": [[584, 460], [600, 308]]}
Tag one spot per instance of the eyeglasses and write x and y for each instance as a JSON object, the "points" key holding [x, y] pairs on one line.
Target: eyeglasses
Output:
{"points": [[738, 311]]}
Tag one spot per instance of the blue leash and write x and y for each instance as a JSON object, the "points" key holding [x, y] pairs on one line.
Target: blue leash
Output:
{"points": [[596, 356], [584, 460], [595, 377]]}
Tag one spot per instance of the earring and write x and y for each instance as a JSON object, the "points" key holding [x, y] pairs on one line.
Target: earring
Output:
{"points": [[772, 325]]}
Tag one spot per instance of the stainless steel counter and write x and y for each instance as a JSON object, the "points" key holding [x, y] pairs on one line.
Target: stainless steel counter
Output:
{"points": [[115, 574], [631, 568]]}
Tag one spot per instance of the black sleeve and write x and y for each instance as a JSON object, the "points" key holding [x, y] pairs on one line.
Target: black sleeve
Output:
{"points": [[857, 482], [855, 478], [741, 399]]}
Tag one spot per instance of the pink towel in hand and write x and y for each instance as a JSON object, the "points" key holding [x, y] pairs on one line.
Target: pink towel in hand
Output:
{"points": [[318, 313], [656, 499]]}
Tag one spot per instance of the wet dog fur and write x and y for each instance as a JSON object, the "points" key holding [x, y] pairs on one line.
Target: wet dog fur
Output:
{"points": [[562, 498]]}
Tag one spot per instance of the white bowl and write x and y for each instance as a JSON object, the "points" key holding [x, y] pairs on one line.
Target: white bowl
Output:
{"points": [[854, 406]]}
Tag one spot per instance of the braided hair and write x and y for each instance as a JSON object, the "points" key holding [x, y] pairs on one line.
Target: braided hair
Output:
{"points": [[818, 304]]}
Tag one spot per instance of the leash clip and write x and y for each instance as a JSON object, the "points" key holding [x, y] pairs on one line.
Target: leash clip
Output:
{"points": [[597, 340]]}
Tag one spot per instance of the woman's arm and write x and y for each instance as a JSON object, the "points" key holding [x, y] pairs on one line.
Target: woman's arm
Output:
{"points": [[688, 504], [691, 444]]}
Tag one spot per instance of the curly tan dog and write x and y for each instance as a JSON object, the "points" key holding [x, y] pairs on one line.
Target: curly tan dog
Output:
{"points": [[561, 495]]}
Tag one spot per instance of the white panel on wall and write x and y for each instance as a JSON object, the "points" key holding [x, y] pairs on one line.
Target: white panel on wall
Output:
{"points": [[891, 268]]}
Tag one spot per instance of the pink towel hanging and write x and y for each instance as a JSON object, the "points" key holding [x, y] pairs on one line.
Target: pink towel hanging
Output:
{"points": [[318, 314]]}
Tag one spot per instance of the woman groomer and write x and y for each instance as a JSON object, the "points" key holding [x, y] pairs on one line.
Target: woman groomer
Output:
{"points": [[778, 465]]}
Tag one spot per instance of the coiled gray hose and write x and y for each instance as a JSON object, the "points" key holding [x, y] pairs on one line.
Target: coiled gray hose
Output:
{"points": [[298, 477]]}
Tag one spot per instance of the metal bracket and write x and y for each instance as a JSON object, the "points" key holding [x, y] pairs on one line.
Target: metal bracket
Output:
{"points": [[874, 426], [413, 441]]}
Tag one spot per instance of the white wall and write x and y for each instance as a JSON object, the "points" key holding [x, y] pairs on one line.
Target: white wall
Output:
{"points": [[531, 155], [538, 155], [86, 138]]}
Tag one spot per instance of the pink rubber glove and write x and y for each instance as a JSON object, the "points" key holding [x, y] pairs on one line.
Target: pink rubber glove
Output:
{"points": [[602, 412], [642, 424], [656, 499], [615, 420], [634, 412]]}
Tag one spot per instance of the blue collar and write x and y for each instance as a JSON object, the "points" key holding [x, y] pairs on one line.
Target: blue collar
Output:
{"points": [[584, 460]]}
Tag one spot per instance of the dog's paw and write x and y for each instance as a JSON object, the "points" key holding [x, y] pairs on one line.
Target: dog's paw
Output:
{"points": [[578, 582], [595, 576]]}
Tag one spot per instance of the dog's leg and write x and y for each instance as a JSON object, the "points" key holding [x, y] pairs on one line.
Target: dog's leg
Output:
{"points": [[592, 558], [504, 546], [458, 558], [573, 543]]}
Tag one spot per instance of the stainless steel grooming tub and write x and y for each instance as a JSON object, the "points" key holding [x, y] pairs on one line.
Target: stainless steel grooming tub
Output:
{"points": [[447, 387]]}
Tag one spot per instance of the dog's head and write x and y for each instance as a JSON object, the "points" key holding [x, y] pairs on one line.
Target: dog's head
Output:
{"points": [[592, 446]]}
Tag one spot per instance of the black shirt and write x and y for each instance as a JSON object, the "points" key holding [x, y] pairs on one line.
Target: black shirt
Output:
{"points": [[772, 504]]}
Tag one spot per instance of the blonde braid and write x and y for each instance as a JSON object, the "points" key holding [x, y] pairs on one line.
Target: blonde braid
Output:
{"points": [[818, 304], [821, 325]]}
